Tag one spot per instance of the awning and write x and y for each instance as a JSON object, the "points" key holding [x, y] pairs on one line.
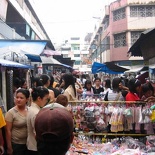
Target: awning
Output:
{"points": [[115, 67], [136, 49], [33, 58], [98, 67], [137, 69], [49, 61], [35, 47], [67, 66], [48, 52], [7, 63]]}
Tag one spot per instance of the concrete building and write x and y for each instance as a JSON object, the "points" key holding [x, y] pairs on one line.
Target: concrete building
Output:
{"points": [[121, 26], [76, 49], [18, 22]]}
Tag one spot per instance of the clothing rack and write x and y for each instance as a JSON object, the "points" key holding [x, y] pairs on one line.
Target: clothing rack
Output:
{"points": [[105, 133]]}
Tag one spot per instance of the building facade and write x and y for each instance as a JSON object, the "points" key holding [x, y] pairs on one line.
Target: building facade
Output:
{"points": [[76, 50], [18, 20], [123, 22]]}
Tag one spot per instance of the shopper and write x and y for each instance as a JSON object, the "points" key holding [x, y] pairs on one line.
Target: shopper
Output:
{"points": [[40, 96], [16, 124], [134, 90], [88, 88], [115, 93], [98, 89], [45, 79], [68, 81], [106, 85], [56, 91], [54, 131]]}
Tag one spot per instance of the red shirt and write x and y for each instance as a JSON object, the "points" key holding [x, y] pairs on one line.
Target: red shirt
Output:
{"points": [[132, 97]]}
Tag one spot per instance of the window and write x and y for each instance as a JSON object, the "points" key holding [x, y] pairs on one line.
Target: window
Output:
{"points": [[105, 44], [85, 55], [106, 23], [142, 11], [120, 40], [119, 14], [77, 62], [74, 48], [134, 36], [65, 55], [76, 55]]}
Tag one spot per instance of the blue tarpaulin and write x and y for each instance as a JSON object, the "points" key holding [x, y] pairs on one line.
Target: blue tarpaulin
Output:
{"points": [[7, 63], [99, 67]]}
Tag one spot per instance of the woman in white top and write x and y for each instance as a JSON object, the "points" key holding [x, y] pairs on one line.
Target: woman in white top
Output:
{"points": [[68, 81], [40, 96]]}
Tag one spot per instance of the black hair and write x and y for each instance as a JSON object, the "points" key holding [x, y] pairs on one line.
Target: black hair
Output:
{"points": [[37, 81], [115, 84], [51, 80], [133, 84], [146, 87], [44, 78], [16, 82], [87, 82], [107, 83], [69, 80], [97, 78], [23, 80], [39, 92], [24, 91]]}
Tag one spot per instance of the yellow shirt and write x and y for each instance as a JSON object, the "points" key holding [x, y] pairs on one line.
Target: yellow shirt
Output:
{"points": [[2, 120]]}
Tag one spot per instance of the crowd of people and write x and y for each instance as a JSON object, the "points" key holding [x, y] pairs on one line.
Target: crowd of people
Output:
{"points": [[40, 123]]}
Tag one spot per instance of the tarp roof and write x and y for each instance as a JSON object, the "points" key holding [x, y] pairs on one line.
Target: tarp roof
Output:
{"points": [[137, 69], [136, 49], [7, 63], [35, 47], [113, 69], [49, 60]]}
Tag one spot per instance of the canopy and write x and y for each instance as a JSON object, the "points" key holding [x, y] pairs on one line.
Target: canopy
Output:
{"points": [[138, 69], [115, 67], [49, 60], [7, 63], [99, 67], [33, 58], [145, 37], [35, 47]]}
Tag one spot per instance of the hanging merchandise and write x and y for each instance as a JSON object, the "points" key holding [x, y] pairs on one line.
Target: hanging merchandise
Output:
{"points": [[10, 96]]}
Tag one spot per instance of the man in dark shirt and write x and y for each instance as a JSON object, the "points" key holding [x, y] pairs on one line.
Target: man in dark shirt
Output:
{"points": [[97, 86]]}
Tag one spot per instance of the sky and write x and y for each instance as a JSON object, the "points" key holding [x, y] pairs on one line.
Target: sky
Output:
{"points": [[63, 19]]}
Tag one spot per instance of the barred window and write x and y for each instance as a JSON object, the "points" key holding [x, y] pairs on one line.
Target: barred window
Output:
{"points": [[134, 36], [105, 44], [142, 11], [105, 23], [120, 40], [119, 14]]}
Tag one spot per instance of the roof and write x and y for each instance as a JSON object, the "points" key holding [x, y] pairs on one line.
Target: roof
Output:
{"points": [[7, 63], [107, 68], [136, 49]]}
